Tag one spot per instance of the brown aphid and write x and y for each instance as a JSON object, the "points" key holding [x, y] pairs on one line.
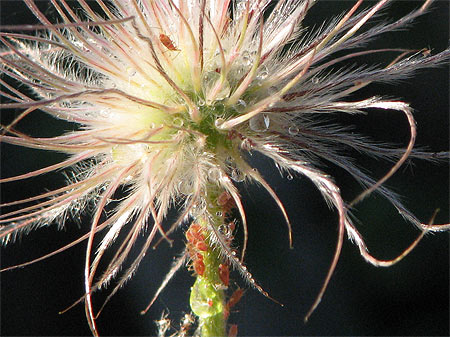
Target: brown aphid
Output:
{"points": [[224, 274], [167, 42], [195, 234], [195, 245], [226, 202], [196, 260], [201, 245], [233, 331], [234, 299], [199, 267]]}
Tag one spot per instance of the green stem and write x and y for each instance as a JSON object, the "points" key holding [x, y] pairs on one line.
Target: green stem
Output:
{"points": [[207, 297]]}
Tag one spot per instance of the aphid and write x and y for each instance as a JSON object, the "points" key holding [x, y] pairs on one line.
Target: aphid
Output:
{"points": [[195, 244], [234, 299], [201, 245], [224, 274], [196, 259], [226, 202], [167, 42], [199, 266], [195, 234], [233, 331], [224, 198], [232, 226]]}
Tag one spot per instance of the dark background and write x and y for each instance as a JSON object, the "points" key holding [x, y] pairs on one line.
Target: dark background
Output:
{"points": [[411, 298]]}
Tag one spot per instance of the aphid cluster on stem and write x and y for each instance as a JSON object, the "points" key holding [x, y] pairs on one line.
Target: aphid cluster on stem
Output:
{"points": [[196, 247]]}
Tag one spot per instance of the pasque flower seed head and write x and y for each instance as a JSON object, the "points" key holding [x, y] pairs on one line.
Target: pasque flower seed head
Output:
{"points": [[170, 97]]}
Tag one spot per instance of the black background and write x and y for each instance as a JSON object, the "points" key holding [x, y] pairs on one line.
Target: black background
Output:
{"points": [[411, 298]]}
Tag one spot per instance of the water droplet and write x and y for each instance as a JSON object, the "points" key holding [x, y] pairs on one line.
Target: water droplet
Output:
{"points": [[240, 71], [263, 73], [224, 91], [240, 106], [210, 78], [214, 174], [201, 102], [218, 122], [293, 130], [289, 176], [177, 122], [315, 80], [246, 145], [247, 59], [76, 209], [131, 71], [215, 87], [259, 123], [178, 99], [266, 121], [237, 175]]}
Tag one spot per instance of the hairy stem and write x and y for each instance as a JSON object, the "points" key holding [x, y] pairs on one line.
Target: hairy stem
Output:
{"points": [[207, 299]]}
